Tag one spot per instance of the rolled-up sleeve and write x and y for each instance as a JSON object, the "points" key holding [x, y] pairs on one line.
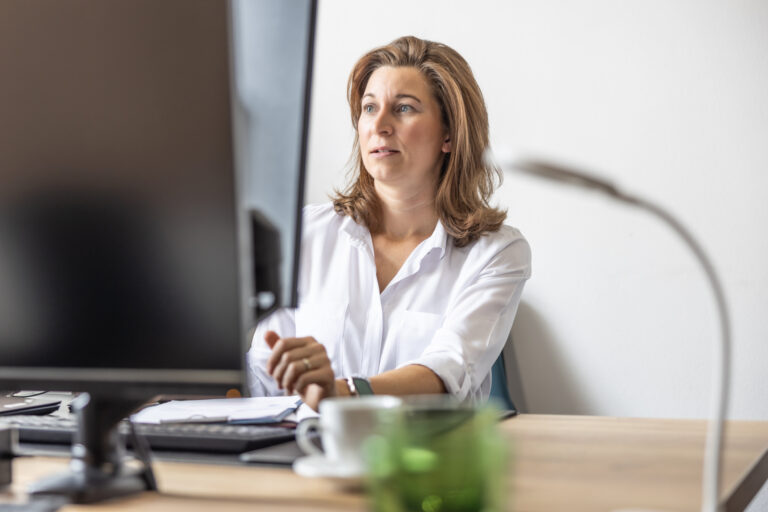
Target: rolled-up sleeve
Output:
{"points": [[477, 323], [260, 383]]}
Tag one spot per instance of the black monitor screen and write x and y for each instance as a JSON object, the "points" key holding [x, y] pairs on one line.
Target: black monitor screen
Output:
{"points": [[130, 174]]}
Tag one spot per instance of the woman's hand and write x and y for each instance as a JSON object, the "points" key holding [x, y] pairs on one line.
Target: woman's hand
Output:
{"points": [[301, 366]]}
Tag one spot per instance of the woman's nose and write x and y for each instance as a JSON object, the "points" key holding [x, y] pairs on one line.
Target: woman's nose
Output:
{"points": [[382, 123]]}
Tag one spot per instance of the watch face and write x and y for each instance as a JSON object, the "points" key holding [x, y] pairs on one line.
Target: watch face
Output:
{"points": [[363, 386]]}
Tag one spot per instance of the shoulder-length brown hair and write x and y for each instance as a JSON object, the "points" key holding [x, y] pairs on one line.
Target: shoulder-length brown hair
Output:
{"points": [[466, 180]]}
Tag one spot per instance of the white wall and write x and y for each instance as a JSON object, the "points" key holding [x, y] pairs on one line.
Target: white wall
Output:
{"points": [[668, 99]]}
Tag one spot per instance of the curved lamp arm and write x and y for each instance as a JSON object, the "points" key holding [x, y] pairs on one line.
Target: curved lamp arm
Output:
{"points": [[715, 433]]}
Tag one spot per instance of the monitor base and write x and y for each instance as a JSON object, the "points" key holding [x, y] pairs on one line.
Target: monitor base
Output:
{"points": [[97, 471], [89, 485]]}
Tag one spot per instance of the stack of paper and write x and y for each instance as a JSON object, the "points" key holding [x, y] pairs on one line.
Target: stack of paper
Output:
{"points": [[259, 410]]}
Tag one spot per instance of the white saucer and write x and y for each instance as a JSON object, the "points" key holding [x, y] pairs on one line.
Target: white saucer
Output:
{"points": [[317, 466]]}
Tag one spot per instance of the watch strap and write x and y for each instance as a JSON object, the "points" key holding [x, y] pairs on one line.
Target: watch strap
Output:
{"points": [[362, 386], [359, 386]]}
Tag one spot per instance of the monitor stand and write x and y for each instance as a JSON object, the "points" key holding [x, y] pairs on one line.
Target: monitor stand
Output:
{"points": [[97, 471]]}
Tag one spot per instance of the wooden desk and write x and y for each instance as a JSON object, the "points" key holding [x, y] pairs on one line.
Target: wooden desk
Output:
{"points": [[574, 463]]}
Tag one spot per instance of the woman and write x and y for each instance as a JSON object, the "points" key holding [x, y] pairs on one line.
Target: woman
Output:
{"points": [[408, 278]]}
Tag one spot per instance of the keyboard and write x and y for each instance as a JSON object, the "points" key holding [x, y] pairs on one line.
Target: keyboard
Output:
{"points": [[192, 437]]}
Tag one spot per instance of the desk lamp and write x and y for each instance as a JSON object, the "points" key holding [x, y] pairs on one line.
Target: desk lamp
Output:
{"points": [[715, 433]]}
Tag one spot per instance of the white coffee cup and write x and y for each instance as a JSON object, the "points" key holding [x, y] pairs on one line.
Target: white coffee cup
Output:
{"points": [[344, 425]]}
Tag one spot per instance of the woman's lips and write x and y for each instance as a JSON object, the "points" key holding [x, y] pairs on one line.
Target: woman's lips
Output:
{"points": [[383, 152]]}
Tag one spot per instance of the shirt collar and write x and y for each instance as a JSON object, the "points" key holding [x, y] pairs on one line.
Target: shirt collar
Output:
{"points": [[360, 236], [438, 241]]}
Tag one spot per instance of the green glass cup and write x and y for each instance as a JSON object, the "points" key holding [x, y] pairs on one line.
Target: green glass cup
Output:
{"points": [[437, 455]]}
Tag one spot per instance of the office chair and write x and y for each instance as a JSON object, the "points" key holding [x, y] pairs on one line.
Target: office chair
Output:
{"points": [[499, 389], [505, 380]]}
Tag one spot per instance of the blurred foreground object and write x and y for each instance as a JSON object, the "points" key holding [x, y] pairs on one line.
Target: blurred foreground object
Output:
{"points": [[7, 441], [438, 456]]}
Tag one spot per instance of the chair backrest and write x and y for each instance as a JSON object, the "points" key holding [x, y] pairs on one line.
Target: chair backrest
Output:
{"points": [[499, 386]]}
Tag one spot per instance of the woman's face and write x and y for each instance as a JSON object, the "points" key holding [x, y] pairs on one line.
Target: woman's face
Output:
{"points": [[402, 137]]}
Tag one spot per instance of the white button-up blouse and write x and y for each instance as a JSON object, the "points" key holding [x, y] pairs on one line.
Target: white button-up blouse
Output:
{"points": [[448, 308]]}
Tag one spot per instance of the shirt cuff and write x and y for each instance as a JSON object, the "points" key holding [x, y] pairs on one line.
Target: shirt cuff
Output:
{"points": [[451, 366]]}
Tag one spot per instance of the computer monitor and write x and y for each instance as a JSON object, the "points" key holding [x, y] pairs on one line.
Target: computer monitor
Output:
{"points": [[152, 160]]}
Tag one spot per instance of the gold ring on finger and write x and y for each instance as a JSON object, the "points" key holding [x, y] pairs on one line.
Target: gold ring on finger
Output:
{"points": [[307, 364]]}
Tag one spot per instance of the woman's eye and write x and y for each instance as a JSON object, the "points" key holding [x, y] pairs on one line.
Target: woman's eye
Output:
{"points": [[404, 108], [367, 109]]}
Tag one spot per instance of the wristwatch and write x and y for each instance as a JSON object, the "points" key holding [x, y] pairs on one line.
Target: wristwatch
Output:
{"points": [[359, 386]]}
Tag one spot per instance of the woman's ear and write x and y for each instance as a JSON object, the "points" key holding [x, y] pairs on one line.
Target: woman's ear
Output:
{"points": [[446, 145]]}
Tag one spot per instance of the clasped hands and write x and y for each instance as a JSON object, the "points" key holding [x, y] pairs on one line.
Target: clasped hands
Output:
{"points": [[301, 366]]}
